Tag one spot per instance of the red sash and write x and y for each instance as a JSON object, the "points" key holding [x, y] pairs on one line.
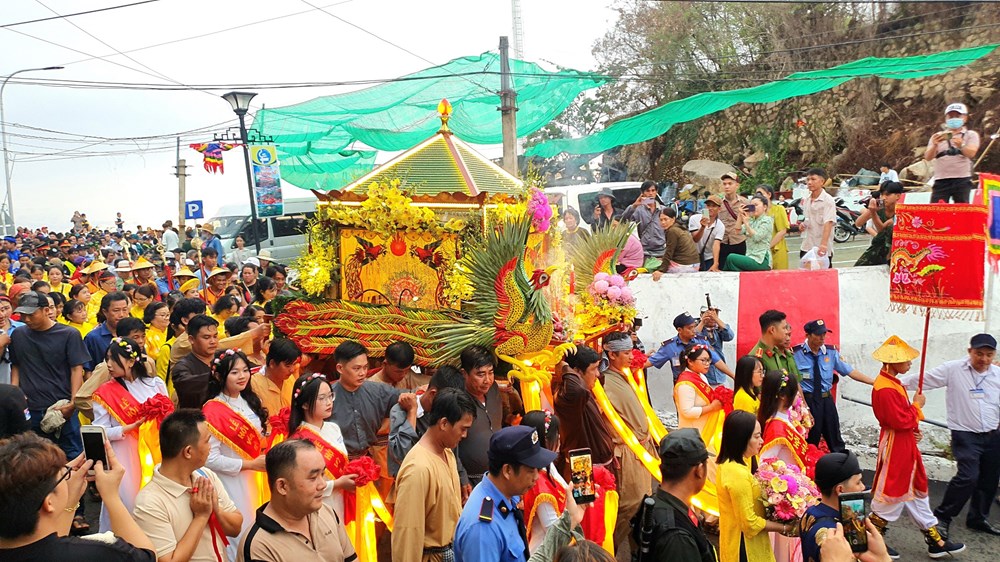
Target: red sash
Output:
{"points": [[230, 427], [545, 490], [335, 459], [695, 380], [783, 433], [118, 401]]}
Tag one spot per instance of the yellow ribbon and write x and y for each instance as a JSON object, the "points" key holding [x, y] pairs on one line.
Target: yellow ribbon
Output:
{"points": [[651, 463], [149, 449], [656, 428], [610, 519], [368, 504]]}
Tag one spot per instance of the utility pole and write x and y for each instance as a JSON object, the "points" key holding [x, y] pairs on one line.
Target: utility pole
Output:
{"points": [[181, 173], [181, 192], [508, 110]]}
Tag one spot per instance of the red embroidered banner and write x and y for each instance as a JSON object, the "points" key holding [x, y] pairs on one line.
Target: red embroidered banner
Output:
{"points": [[938, 256]]}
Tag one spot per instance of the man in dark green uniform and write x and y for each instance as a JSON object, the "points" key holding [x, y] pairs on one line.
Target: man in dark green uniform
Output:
{"points": [[774, 348]]}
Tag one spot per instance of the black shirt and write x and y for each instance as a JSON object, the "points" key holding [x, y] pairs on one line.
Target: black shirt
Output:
{"points": [[44, 360], [675, 536], [75, 549], [190, 378], [13, 411]]}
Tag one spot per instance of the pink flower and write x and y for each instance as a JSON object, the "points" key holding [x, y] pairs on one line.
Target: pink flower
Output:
{"points": [[793, 485]]}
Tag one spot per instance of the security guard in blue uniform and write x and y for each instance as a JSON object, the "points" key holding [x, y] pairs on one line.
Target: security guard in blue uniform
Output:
{"points": [[491, 527], [670, 350], [818, 364]]}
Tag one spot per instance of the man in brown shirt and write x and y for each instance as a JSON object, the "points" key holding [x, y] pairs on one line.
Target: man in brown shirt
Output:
{"points": [[296, 525], [733, 241], [427, 483], [397, 368]]}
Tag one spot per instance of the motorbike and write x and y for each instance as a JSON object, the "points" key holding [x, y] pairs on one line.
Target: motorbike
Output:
{"points": [[845, 229]]}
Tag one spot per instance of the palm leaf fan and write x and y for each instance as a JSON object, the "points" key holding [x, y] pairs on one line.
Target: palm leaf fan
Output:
{"points": [[598, 253]]}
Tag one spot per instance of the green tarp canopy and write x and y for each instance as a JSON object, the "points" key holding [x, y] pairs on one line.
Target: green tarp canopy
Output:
{"points": [[399, 114], [655, 122]]}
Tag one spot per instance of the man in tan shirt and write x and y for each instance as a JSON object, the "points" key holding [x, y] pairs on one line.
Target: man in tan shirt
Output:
{"points": [[733, 241], [427, 483], [184, 509], [296, 525], [634, 481]]}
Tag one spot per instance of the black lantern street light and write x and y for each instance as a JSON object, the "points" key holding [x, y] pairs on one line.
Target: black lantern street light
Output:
{"points": [[241, 104]]}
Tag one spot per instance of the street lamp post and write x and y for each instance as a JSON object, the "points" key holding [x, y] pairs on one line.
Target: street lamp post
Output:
{"points": [[9, 198], [241, 104]]}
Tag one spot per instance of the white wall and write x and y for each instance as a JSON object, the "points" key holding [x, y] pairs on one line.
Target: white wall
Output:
{"points": [[865, 322]]}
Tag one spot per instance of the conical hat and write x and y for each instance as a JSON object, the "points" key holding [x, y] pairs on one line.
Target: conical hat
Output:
{"points": [[184, 272], [142, 263], [94, 267], [189, 284], [895, 350], [219, 271]]}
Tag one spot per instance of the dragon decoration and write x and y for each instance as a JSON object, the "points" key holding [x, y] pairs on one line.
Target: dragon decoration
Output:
{"points": [[509, 306]]}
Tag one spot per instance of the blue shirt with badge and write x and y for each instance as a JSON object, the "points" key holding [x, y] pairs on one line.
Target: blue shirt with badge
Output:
{"points": [[716, 337], [819, 516], [829, 362], [671, 350], [487, 529]]}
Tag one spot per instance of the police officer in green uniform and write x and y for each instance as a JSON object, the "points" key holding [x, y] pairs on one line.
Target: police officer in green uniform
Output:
{"points": [[774, 348], [676, 531]]}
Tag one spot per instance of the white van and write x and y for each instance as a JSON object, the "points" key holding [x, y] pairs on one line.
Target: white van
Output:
{"points": [[284, 236], [583, 197]]}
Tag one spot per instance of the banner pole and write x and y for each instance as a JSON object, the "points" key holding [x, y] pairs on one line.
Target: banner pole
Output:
{"points": [[923, 350]]}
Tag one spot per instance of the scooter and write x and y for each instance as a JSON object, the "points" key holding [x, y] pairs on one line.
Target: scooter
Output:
{"points": [[845, 228]]}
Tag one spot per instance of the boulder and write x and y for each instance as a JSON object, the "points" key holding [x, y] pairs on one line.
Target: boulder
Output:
{"points": [[707, 173], [751, 161], [921, 171]]}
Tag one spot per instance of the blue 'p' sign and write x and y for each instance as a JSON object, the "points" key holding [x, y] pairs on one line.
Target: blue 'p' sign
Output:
{"points": [[194, 210]]}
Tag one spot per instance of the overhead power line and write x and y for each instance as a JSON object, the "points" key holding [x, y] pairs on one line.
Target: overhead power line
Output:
{"points": [[109, 8]]}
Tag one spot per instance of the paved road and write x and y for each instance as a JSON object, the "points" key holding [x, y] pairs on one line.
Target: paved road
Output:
{"points": [[844, 255]]}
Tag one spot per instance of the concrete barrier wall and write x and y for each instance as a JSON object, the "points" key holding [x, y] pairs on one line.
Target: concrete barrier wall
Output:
{"points": [[865, 322]]}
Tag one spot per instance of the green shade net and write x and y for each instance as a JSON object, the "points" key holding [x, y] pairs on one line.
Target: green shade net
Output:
{"points": [[653, 123], [399, 114], [326, 171]]}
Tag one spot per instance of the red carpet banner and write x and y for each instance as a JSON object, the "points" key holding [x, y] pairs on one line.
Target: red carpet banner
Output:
{"points": [[937, 258], [802, 295]]}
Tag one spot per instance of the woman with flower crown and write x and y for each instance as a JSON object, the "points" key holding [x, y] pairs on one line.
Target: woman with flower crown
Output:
{"points": [[312, 404], [784, 439], [238, 423], [119, 408]]}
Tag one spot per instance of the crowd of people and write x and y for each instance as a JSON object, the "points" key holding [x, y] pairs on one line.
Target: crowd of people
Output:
{"points": [[733, 232], [222, 442]]}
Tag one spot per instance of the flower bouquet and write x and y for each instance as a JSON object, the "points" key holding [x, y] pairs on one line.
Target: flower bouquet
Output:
{"points": [[785, 490], [724, 395], [800, 416]]}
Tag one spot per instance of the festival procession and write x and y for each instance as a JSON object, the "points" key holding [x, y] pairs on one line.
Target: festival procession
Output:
{"points": [[727, 296]]}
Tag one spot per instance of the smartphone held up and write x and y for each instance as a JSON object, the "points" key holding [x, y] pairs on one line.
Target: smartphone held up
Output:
{"points": [[582, 473], [93, 444], [854, 509]]}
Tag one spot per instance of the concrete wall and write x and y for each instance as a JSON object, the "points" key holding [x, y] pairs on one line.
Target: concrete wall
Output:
{"points": [[865, 322]]}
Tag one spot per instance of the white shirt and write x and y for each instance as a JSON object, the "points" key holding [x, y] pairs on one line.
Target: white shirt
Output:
{"points": [[891, 175], [966, 412], [170, 240], [712, 232]]}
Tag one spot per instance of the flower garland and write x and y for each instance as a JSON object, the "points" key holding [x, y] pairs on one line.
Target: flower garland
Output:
{"points": [[388, 208]]}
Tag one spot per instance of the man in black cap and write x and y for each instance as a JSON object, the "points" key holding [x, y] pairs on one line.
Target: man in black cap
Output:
{"points": [[836, 473], [491, 527], [820, 364], [677, 534], [670, 350], [973, 405]]}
